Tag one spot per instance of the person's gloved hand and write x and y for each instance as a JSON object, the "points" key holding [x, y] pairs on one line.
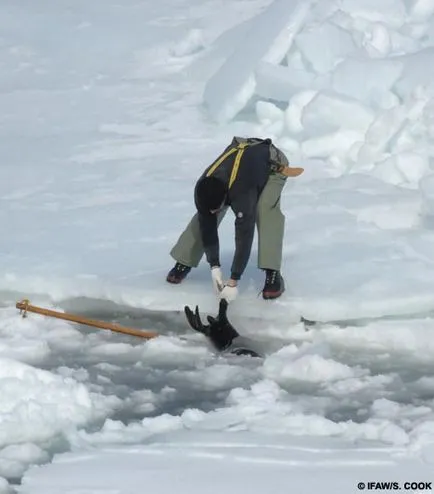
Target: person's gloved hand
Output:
{"points": [[219, 330], [217, 279], [229, 293]]}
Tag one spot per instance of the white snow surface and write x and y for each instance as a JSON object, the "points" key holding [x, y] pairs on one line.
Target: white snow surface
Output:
{"points": [[108, 115]]}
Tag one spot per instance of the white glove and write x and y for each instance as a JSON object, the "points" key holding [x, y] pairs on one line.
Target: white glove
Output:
{"points": [[229, 293], [217, 279]]}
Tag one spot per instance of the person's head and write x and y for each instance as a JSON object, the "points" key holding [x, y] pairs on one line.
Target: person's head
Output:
{"points": [[210, 195]]}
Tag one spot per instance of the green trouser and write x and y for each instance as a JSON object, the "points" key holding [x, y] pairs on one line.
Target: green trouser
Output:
{"points": [[270, 222]]}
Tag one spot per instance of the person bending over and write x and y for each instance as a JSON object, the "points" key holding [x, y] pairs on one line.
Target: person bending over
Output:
{"points": [[247, 177]]}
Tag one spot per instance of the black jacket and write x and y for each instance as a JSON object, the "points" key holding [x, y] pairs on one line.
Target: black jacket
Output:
{"points": [[253, 172]]}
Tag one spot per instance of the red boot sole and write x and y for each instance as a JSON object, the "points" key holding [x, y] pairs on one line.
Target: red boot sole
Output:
{"points": [[272, 295], [174, 281]]}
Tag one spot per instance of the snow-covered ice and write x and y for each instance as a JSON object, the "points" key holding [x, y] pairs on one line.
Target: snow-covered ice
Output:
{"points": [[229, 462], [108, 115], [268, 40]]}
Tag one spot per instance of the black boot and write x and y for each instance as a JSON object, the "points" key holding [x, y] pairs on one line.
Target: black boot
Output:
{"points": [[274, 285], [178, 273]]}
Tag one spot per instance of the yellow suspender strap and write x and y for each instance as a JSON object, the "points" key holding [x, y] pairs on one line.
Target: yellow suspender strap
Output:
{"points": [[237, 161], [239, 150], [220, 161]]}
